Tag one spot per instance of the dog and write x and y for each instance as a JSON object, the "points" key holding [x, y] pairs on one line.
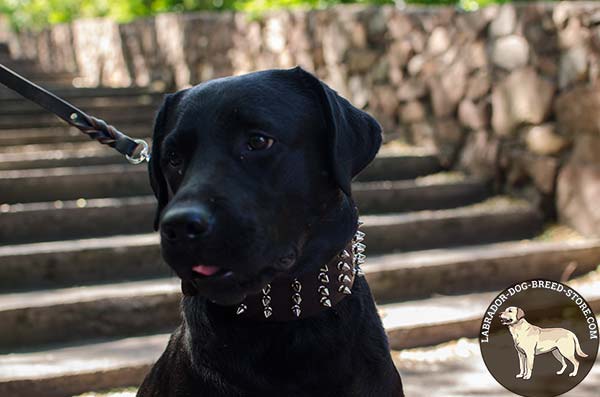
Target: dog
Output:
{"points": [[253, 179], [531, 340]]}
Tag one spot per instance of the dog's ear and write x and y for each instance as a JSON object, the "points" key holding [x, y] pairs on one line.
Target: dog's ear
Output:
{"points": [[157, 180], [520, 313], [354, 136]]}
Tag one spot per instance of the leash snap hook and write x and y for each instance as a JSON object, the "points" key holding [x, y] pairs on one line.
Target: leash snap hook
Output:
{"points": [[140, 154]]}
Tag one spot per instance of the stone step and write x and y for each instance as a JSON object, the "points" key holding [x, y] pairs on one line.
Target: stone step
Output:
{"points": [[52, 81], [88, 104], [394, 276], [26, 67], [16, 63], [395, 166], [81, 262], [63, 371], [433, 371], [98, 311], [456, 369], [110, 310], [84, 218], [64, 154], [143, 114], [24, 152], [46, 80], [456, 270], [69, 93], [440, 319], [494, 220], [26, 223], [82, 154], [65, 183], [12, 139], [437, 191]]}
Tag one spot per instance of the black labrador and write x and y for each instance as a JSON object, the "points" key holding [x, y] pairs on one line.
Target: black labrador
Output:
{"points": [[253, 176]]}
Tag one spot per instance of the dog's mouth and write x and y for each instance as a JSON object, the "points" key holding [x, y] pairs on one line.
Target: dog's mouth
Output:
{"points": [[505, 321], [207, 270], [227, 280], [225, 286], [208, 273]]}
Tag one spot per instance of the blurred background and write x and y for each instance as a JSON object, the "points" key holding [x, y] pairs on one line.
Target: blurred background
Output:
{"points": [[489, 174]]}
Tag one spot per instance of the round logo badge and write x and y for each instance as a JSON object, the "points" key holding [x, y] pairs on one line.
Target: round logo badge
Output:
{"points": [[539, 338]]}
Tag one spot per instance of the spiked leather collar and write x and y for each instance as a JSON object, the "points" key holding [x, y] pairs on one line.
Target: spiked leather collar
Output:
{"points": [[288, 298]]}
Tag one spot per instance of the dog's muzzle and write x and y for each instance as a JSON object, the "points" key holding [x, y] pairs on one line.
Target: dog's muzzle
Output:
{"points": [[505, 321]]}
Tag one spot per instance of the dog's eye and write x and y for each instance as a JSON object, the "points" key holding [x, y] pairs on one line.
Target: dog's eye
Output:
{"points": [[259, 142], [174, 159]]}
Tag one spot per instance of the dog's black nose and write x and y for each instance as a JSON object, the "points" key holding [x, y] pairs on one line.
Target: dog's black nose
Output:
{"points": [[182, 224]]}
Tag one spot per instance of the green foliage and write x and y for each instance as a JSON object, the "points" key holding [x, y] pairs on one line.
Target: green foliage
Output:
{"points": [[35, 14]]}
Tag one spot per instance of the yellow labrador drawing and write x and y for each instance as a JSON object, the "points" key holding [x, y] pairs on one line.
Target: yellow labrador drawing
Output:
{"points": [[531, 340]]}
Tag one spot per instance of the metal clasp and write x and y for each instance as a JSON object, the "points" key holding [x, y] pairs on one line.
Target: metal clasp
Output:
{"points": [[140, 154]]}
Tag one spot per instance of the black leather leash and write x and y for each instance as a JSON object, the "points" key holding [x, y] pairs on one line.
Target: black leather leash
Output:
{"points": [[135, 150]]}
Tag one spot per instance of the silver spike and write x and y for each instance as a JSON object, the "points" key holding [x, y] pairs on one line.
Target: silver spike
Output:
{"points": [[296, 286], [296, 310], [268, 311], [324, 268], [325, 301], [360, 223], [241, 309], [266, 300], [297, 298], [323, 290], [343, 267], [344, 279], [344, 254], [344, 289], [359, 248], [267, 289], [360, 259], [324, 278], [359, 236], [358, 271]]}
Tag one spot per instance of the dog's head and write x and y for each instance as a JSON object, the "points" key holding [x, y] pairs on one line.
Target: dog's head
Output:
{"points": [[245, 168], [511, 315]]}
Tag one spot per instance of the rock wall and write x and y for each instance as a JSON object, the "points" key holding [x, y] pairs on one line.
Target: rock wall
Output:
{"points": [[509, 93]]}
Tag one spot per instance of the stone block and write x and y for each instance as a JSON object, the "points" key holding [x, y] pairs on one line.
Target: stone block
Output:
{"points": [[478, 85], [449, 137], [577, 110], [448, 88], [438, 41], [543, 139], [473, 115], [505, 21], [411, 89], [522, 98], [412, 112], [480, 155], [573, 66], [578, 187], [510, 52]]}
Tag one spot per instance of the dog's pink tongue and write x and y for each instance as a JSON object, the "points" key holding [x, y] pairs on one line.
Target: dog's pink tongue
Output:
{"points": [[205, 270]]}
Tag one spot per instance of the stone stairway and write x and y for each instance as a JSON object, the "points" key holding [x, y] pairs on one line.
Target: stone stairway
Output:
{"points": [[86, 304]]}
